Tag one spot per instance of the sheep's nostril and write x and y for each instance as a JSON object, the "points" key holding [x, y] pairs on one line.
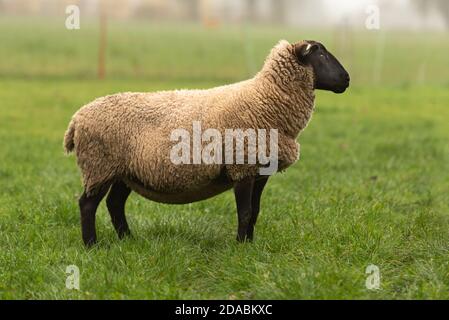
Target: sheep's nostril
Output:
{"points": [[345, 78]]}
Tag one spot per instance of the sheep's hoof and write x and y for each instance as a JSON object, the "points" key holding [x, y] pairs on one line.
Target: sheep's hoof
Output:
{"points": [[89, 243], [243, 239], [125, 234]]}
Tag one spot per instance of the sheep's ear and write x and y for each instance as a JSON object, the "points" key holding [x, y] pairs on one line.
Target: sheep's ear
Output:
{"points": [[304, 49]]}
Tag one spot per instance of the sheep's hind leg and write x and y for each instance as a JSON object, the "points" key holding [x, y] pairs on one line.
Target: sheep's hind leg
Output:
{"points": [[88, 208], [116, 205], [258, 187], [243, 192]]}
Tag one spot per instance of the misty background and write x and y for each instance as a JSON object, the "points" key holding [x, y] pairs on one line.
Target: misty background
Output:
{"points": [[222, 40], [398, 14]]}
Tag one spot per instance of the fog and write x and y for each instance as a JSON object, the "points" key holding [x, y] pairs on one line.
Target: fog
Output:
{"points": [[393, 14]]}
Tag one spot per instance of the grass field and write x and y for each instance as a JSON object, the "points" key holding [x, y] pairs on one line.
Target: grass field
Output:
{"points": [[371, 186]]}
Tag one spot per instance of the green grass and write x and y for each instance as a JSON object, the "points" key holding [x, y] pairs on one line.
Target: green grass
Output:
{"points": [[370, 188], [36, 48]]}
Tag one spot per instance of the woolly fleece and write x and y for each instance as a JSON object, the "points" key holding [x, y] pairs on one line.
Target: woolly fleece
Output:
{"points": [[126, 136]]}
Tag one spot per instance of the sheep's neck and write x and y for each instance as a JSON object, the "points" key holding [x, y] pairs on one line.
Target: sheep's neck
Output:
{"points": [[287, 107]]}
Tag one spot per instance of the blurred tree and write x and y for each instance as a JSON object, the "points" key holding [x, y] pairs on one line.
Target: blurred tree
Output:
{"points": [[192, 9], [278, 8], [442, 6], [251, 10], [423, 6]]}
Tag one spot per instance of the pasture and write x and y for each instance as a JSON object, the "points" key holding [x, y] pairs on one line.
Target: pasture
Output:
{"points": [[371, 186]]}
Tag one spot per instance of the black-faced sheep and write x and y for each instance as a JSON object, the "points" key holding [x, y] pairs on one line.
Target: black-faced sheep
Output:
{"points": [[123, 141]]}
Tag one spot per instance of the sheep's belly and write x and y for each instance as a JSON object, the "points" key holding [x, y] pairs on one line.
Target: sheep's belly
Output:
{"points": [[210, 190]]}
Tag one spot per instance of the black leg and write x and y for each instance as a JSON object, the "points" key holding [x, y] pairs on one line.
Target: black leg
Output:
{"points": [[259, 185], [116, 205], [243, 191], [88, 208]]}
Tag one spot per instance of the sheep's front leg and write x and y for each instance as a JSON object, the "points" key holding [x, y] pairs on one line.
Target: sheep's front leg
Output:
{"points": [[88, 209], [243, 194], [259, 185]]}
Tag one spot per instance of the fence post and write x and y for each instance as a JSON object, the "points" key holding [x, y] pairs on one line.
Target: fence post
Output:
{"points": [[102, 42]]}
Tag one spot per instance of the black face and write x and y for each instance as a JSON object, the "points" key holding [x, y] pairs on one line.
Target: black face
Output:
{"points": [[329, 73]]}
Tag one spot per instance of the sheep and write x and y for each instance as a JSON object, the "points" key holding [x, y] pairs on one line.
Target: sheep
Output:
{"points": [[122, 141]]}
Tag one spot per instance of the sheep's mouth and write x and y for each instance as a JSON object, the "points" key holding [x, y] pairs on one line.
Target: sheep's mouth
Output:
{"points": [[342, 88]]}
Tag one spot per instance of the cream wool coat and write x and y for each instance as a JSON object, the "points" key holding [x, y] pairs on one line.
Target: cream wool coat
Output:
{"points": [[126, 136]]}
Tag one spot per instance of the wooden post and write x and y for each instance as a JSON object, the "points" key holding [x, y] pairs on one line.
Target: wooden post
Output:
{"points": [[205, 14], [102, 42], [379, 58]]}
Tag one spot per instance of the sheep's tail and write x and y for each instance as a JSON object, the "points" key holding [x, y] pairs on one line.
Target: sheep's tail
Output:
{"points": [[69, 143]]}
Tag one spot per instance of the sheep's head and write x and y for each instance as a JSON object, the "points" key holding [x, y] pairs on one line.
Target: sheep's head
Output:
{"points": [[328, 71]]}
